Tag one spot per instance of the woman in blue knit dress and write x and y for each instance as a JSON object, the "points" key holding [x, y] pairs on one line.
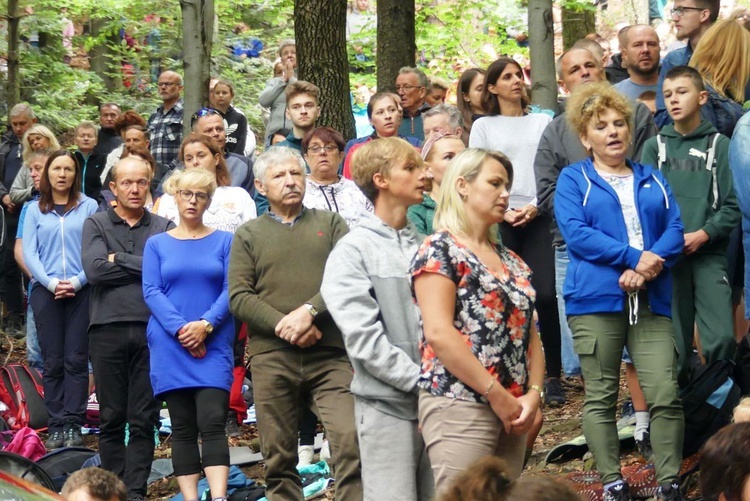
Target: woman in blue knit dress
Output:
{"points": [[190, 333]]}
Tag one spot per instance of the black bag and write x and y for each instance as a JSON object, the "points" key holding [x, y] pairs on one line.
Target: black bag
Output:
{"points": [[742, 365], [21, 390], [61, 463], [252, 493], [26, 469], [708, 402]]}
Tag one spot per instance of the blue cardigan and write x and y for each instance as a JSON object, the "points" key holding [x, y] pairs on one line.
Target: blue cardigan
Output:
{"points": [[589, 215]]}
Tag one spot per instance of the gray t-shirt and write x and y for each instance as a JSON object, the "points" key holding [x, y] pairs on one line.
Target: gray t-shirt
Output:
{"points": [[633, 90]]}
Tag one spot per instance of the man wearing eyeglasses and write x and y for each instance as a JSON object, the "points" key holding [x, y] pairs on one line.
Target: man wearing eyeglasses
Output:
{"points": [[112, 253], [165, 125], [411, 86], [303, 110], [691, 18]]}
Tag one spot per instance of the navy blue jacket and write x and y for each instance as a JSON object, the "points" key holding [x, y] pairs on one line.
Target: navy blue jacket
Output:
{"points": [[589, 215]]}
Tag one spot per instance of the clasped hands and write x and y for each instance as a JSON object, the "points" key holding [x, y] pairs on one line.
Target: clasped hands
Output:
{"points": [[192, 336], [647, 269], [521, 217], [297, 328], [516, 413]]}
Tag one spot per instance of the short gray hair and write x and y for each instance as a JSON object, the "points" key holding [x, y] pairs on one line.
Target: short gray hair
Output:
{"points": [[423, 80], [455, 120], [289, 42], [276, 155], [22, 109]]}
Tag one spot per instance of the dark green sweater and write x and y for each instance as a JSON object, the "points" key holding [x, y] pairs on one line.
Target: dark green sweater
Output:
{"points": [[276, 268], [692, 184]]}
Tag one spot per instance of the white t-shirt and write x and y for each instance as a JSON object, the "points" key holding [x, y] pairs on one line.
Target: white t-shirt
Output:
{"points": [[231, 206], [517, 138], [625, 189]]}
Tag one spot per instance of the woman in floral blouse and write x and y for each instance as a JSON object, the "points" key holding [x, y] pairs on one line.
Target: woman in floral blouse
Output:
{"points": [[482, 361]]}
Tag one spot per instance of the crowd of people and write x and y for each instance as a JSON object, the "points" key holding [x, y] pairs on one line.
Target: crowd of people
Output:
{"points": [[438, 281]]}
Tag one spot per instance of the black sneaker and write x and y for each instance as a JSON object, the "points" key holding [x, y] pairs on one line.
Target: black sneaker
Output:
{"points": [[670, 491], [55, 440], [617, 492], [554, 395], [232, 429], [73, 436], [643, 446]]}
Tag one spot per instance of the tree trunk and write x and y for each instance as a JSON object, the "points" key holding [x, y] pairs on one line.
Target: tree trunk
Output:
{"points": [[197, 36], [397, 44], [320, 33], [13, 92], [542, 54], [102, 61], [577, 24]]}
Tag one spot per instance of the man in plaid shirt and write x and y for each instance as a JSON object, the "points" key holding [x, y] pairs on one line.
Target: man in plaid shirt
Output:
{"points": [[165, 125]]}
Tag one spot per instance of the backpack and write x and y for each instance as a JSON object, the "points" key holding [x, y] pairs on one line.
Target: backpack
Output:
{"points": [[710, 162], [708, 402], [61, 463], [26, 469], [24, 442], [21, 391]]}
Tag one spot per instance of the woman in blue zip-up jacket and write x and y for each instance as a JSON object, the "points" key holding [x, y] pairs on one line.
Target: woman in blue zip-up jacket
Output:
{"points": [[622, 228], [60, 295]]}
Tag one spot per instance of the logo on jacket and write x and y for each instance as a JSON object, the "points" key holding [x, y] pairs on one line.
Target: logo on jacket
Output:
{"points": [[697, 153]]}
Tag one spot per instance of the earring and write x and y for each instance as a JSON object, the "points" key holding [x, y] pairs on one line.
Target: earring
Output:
{"points": [[463, 198]]}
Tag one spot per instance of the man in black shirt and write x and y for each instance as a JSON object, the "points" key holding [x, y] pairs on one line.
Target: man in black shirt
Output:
{"points": [[113, 243]]}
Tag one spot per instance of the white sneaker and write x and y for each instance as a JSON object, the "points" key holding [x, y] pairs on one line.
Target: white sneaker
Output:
{"points": [[305, 455], [325, 451]]}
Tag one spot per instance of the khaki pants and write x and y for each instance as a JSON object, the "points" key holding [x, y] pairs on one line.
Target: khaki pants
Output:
{"points": [[458, 433], [282, 381]]}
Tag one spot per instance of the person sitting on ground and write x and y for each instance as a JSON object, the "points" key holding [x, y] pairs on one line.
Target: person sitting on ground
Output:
{"points": [[488, 480], [368, 295], [303, 111], [92, 164], [37, 138], [725, 464], [273, 96], [326, 190], [437, 153], [385, 117], [94, 484], [436, 93]]}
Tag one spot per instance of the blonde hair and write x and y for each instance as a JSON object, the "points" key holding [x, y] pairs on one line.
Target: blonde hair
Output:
{"points": [[741, 413], [191, 178], [450, 213], [589, 101], [39, 130], [377, 157], [723, 59]]}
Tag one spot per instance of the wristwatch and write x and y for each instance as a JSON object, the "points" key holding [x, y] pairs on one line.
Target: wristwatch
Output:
{"points": [[209, 327], [539, 390], [312, 309]]}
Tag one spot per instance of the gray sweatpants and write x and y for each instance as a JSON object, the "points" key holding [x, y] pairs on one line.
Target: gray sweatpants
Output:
{"points": [[395, 466]]}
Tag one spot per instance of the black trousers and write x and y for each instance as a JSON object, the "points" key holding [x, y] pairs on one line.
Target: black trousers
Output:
{"points": [[120, 357], [196, 411], [62, 327], [11, 276], [533, 243]]}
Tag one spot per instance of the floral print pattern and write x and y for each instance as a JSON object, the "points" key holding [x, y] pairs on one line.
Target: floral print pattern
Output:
{"points": [[493, 314]]}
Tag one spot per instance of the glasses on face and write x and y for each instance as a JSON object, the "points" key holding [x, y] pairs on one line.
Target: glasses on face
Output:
{"points": [[680, 11], [166, 84], [329, 148], [188, 195], [407, 88], [203, 112]]}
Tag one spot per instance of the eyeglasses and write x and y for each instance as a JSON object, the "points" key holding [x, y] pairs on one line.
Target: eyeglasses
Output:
{"points": [[203, 112], [187, 195], [166, 84], [407, 88], [680, 11], [330, 148]]}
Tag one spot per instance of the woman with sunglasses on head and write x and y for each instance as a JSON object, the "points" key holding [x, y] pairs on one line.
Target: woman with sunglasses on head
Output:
{"points": [[37, 138], [191, 333], [231, 205]]}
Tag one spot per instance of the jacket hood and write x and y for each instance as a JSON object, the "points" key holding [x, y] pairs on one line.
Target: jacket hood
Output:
{"points": [[373, 223], [704, 129]]}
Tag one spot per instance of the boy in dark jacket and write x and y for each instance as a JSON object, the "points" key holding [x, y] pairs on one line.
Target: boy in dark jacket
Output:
{"points": [[694, 158]]}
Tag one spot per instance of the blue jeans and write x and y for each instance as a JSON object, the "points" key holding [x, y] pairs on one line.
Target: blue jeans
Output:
{"points": [[33, 353], [740, 163], [571, 365]]}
